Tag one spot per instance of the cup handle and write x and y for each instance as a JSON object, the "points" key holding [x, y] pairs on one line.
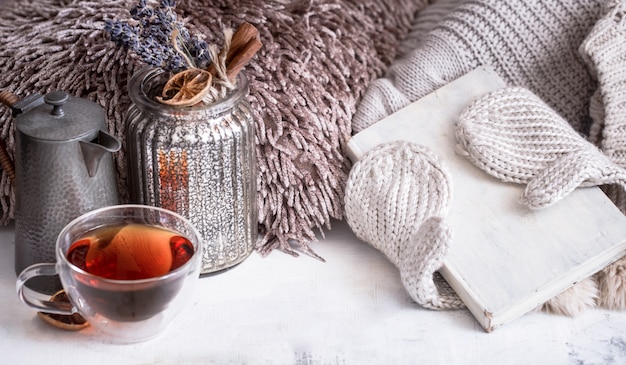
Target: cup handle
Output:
{"points": [[29, 298]]}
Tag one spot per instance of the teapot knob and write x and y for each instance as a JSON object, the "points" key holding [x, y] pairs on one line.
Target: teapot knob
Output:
{"points": [[57, 99]]}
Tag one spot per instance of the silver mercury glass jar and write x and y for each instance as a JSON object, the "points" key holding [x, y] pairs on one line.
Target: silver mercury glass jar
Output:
{"points": [[197, 161]]}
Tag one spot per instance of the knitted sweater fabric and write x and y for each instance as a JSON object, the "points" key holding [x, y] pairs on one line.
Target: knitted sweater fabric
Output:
{"points": [[529, 44], [604, 51]]}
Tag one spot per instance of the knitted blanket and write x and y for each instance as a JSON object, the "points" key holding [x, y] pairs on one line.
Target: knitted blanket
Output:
{"points": [[534, 45], [317, 60]]}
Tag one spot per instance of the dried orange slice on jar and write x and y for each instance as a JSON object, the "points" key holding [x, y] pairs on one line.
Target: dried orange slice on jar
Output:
{"points": [[186, 88]]}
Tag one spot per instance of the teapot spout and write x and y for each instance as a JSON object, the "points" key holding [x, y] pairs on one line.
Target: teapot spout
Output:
{"points": [[94, 150]]}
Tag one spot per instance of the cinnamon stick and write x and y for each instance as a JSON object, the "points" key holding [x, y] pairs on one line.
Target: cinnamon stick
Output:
{"points": [[242, 57], [244, 44], [242, 36]]}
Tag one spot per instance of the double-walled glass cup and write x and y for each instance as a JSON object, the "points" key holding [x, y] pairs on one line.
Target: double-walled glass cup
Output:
{"points": [[124, 310]]}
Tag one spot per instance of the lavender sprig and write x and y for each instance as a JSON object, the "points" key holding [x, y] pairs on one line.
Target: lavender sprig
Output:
{"points": [[150, 35]]}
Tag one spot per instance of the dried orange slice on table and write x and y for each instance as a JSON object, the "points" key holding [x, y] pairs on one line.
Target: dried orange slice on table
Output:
{"points": [[74, 322], [186, 88]]}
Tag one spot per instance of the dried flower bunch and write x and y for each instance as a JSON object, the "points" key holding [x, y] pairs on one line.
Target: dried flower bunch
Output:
{"points": [[150, 37], [160, 39]]}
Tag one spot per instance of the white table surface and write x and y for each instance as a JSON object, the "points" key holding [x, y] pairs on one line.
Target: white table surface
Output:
{"points": [[352, 309]]}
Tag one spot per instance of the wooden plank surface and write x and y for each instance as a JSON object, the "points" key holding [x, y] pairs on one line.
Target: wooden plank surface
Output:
{"points": [[505, 259]]}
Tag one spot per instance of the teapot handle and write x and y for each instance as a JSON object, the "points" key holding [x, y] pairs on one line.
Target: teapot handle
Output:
{"points": [[9, 99]]}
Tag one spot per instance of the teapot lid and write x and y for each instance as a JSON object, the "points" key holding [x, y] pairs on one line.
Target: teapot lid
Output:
{"points": [[58, 116]]}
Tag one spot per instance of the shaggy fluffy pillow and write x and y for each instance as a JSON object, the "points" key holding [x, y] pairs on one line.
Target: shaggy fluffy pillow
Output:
{"points": [[317, 60]]}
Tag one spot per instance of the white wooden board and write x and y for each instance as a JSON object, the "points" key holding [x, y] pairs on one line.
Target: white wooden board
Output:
{"points": [[505, 260]]}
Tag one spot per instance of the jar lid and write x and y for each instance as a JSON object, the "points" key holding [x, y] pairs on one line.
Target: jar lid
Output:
{"points": [[59, 117]]}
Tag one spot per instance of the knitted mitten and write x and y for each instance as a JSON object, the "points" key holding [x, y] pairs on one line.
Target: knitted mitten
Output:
{"points": [[513, 135], [395, 200]]}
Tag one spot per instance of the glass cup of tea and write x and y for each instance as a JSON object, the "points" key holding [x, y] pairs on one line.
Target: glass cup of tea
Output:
{"points": [[127, 269]]}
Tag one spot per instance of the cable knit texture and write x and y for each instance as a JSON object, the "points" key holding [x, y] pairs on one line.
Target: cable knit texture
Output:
{"points": [[516, 137], [396, 199]]}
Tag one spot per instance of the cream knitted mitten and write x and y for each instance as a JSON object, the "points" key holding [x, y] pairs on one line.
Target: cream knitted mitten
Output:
{"points": [[516, 137], [395, 200]]}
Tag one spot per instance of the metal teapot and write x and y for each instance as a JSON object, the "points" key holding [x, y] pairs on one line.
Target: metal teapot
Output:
{"points": [[63, 168]]}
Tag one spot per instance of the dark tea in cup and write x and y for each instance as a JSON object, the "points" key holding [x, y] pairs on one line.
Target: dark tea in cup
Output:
{"points": [[130, 252]]}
